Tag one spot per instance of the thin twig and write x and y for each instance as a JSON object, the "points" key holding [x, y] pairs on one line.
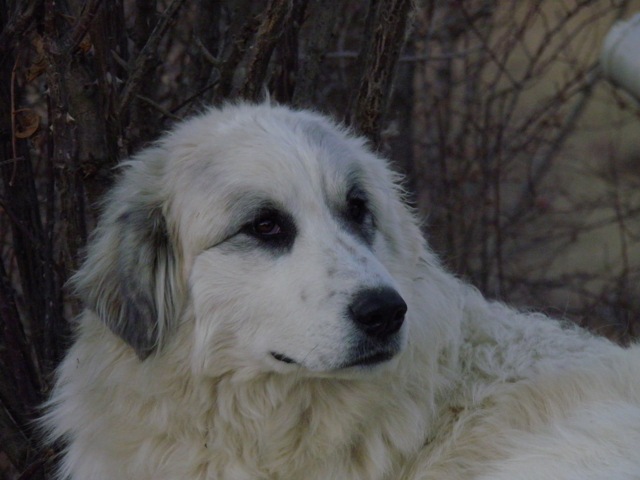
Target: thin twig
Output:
{"points": [[190, 99], [159, 107], [208, 56], [120, 61], [544, 161], [14, 141], [412, 58]]}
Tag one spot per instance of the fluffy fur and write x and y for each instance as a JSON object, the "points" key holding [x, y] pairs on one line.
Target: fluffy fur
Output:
{"points": [[212, 349]]}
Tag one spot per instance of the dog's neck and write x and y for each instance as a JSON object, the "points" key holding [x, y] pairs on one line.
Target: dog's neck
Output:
{"points": [[358, 427], [305, 422]]}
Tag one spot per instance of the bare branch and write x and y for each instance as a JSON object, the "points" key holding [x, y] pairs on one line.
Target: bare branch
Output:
{"points": [[82, 25], [271, 26], [146, 56], [543, 162], [321, 22], [18, 23], [387, 22]]}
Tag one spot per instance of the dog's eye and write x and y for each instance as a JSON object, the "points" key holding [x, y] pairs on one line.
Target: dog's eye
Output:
{"points": [[272, 228], [266, 227], [357, 210], [358, 215], [357, 207]]}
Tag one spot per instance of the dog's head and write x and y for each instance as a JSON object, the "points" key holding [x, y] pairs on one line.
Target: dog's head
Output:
{"points": [[282, 236]]}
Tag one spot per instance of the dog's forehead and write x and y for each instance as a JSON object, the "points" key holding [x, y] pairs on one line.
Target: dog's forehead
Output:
{"points": [[222, 167], [280, 153]]}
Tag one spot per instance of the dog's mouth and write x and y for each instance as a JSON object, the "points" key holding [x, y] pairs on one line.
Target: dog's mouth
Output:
{"points": [[365, 360], [371, 360], [283, 358]]}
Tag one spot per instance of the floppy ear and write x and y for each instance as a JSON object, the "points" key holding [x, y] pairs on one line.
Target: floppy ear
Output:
{"points": [[130, 276]]}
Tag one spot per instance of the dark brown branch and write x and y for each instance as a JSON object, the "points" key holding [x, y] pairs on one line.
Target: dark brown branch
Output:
{"points": [[271, 27], [242, 30], [385, 35]]}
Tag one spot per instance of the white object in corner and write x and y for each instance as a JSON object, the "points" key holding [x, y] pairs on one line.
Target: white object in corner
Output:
{"points": [[620, 56]]}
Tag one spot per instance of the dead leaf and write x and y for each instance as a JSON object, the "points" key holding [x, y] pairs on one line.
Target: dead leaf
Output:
{"points": [[86, 45], [27, 122]]}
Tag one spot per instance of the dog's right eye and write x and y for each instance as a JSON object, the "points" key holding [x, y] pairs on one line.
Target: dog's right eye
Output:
{"points": [[272, 228], [266, 227]]}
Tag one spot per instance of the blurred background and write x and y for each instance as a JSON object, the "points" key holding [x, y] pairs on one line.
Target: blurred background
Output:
{"points": [[521, 159]]}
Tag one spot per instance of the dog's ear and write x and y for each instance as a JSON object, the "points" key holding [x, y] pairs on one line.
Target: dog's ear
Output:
{"points": [[130, 275]]}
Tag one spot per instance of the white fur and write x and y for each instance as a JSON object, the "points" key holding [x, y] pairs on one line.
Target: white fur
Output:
{"points": [[477, 391]]}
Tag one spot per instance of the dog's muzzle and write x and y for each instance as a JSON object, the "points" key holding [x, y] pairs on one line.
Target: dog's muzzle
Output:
{"points": [[378, 314]]}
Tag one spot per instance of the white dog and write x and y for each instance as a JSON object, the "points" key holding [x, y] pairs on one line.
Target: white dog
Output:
{"points": [[260, 304]]}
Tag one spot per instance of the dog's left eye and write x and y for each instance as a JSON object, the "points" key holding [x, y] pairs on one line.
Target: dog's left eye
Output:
{"points": [[358, 214], [357, 210], [357, 207]]}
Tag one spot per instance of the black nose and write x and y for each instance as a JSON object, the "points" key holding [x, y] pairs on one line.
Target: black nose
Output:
{"points": [[379, 312]]}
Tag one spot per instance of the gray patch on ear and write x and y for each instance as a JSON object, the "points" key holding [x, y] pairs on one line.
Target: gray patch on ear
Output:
{"points": [[145, 253], [130, 277]]}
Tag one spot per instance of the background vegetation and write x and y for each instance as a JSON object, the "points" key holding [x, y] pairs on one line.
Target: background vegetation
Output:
{"points": [[492, 109]]}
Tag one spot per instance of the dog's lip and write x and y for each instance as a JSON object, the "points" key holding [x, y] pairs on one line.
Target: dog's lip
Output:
{"points": [[371, 359], [367, 360], [283, 358]]}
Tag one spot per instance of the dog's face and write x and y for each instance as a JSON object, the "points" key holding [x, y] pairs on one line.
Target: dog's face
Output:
{"points": [[275, 227]]}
